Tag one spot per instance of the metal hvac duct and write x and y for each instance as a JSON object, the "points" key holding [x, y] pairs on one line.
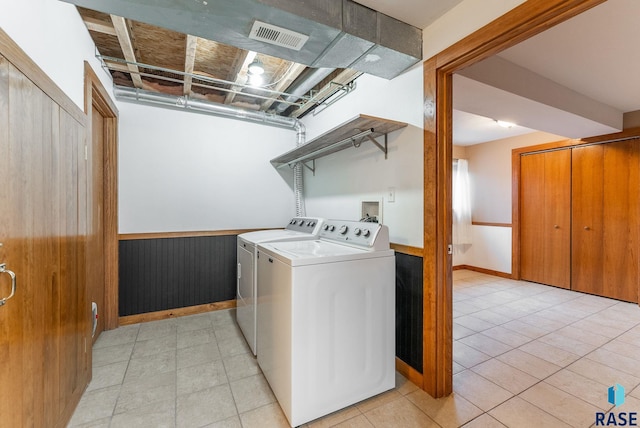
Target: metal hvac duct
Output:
{"points": [[182, 103], [319, 34]]}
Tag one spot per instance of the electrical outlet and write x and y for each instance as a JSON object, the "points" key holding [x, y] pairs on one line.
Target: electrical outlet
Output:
{"points": [[391, 194]]}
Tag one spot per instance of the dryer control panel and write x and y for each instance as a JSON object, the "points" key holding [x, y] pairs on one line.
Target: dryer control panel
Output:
{"points": [[368, 235], [312, 225]]}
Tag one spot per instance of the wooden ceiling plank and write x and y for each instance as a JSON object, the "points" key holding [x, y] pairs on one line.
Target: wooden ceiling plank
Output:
{"points": [[240, 73], [99, 26], [122, 32], [189, 62], [116, 66], [294, 71]]}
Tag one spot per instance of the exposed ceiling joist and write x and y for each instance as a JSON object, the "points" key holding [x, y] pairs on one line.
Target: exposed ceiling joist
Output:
{"points": [[124, 38], [286, 80], [240, 72], [99, 26], [189, 61]]}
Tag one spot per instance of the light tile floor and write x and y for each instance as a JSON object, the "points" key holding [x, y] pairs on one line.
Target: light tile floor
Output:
{"points": [[525, 355]]}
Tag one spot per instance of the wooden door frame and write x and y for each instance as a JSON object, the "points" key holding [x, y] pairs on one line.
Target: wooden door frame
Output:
{"points": [[517, 25], [96, 97]]}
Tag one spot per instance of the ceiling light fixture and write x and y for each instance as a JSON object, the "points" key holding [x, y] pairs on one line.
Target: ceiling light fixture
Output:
{"points": [[255, 68], [504, 124], [255, 79]]}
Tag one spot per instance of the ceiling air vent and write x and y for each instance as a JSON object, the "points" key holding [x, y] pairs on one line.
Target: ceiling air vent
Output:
{"points": [[277, 36]]}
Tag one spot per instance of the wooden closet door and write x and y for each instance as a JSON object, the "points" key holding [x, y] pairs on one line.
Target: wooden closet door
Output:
{"points": [[606, 180], [531, 218], [620, 220], [606, 215], [546, 218], [557, 218], [587, 215]]}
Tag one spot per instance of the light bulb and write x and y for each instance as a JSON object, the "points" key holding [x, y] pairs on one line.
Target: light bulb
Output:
{"points": [[255, 80]]}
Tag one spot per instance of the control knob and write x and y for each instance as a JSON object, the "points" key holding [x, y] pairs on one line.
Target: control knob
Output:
{"points": [[366, 233], [343, 229], [357, 231], [332, 228], [325, 227], [301, 222]]}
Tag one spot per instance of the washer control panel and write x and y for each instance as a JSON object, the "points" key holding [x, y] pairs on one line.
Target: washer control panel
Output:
{"points": [[312, 225], [357, 233]]}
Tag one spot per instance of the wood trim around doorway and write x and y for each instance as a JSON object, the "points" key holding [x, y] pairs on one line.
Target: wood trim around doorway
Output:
{"points": [[96, 97], [517, 25]]}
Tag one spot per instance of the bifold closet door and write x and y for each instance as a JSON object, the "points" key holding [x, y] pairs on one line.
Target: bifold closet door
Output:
{"points": [[545, 244], [606, 215]]}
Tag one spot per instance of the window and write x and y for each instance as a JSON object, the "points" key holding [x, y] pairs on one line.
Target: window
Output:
{"points": [[461, 206]]}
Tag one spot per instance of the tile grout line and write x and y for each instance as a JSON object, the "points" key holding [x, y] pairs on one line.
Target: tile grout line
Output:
{"points": [[555, 372]]}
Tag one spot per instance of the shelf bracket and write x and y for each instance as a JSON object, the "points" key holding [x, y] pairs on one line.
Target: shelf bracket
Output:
{"points": [[306, 165], [378, 145]]}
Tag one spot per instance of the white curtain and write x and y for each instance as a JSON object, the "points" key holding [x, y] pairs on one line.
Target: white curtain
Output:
{"points": [[461, 206]]}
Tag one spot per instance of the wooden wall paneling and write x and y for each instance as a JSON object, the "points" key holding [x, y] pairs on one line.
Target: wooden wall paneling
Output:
{"points": [[587, 216], [532, 224], [557, 218], [53, 401], [621, 190], [24, 103], [10, 329], [72, 307], [42, 327]]}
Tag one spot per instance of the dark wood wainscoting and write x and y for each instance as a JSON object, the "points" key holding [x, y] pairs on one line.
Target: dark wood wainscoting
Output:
{"points": [[409, 306], [176, 272]]}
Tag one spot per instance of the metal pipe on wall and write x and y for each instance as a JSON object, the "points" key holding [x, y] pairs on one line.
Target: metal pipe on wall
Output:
{"points": [[182, 103]]}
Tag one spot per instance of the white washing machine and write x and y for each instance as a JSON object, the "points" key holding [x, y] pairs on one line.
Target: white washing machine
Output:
{"points": [[326, 318], [297, 229]]}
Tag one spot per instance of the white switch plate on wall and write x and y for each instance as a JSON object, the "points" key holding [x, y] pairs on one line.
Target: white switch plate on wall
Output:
{"points": [[391, 194]]}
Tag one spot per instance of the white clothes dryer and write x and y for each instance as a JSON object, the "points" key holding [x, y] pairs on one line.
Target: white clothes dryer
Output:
{"points": [[299, 228], [326, 318]]}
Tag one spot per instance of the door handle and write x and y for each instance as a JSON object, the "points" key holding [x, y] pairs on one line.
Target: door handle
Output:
{"points": [[3, 269]]}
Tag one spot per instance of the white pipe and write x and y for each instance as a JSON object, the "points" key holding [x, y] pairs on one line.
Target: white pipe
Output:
{"points": [[313, 77], [182, 103]]}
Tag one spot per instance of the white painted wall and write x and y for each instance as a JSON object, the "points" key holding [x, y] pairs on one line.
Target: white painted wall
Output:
{"points": [[53, 35], [461, 21], [344, 179], [205, 176], [182, 171], [490, 175]]}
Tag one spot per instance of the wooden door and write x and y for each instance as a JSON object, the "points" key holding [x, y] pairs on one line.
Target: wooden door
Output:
{"points": [[43, 328], [587, 211], [557, 218], [546, 218], [621, 165], [532, 217], [606, 180], [95, 196]]}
